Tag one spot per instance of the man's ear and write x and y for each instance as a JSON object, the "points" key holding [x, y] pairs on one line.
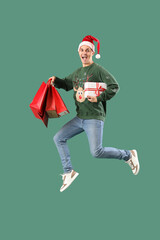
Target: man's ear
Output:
{"points": [[93, 53]]}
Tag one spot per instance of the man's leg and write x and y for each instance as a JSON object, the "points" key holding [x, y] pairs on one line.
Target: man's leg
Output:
{"points": [[94, 131], [68, 131]]}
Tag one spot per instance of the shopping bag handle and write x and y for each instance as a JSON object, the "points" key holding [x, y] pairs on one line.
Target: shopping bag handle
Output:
{"points": [[49, 82]]}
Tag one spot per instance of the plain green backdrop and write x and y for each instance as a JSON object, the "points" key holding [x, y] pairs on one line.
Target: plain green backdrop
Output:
{"points": [[39, 39]]}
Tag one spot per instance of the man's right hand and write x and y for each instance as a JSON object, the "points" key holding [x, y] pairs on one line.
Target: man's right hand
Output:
{"points": [[52, 79]]}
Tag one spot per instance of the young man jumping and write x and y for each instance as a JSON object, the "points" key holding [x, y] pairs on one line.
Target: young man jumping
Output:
{"points": [[91, 112]]}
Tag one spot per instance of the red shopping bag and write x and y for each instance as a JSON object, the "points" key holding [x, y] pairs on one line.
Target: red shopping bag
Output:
{"points": [[51, 103], [44, 119], [55, 106], [60, 106], [39, 102]]}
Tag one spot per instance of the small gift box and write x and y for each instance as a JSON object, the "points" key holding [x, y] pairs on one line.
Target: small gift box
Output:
{"points": [[94, 89]]}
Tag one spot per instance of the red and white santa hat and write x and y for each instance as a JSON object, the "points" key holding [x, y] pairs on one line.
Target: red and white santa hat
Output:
{"points": [[88, 41]]}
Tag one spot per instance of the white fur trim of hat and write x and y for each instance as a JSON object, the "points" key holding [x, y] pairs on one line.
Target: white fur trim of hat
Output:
{"points": [[86, 43]]}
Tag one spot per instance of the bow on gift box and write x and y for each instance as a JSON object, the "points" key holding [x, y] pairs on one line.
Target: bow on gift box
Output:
{"points": [[99, 90]]}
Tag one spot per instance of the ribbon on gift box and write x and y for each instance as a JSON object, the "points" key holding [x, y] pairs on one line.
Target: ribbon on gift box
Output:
{"points": [[98, 90]]}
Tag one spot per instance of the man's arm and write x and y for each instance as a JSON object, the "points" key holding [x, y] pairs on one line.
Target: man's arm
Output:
{"points": [[65, 83], [112, 86]]}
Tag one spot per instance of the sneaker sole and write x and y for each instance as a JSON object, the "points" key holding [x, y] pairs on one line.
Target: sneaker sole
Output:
{"points": [[74, 177], [138, 168]]}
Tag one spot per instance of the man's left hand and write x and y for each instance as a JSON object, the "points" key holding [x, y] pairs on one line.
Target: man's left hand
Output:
{"points": [[92, 99]]}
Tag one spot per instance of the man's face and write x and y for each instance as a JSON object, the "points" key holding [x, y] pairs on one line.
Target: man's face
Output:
{"points": [[86, 54]]}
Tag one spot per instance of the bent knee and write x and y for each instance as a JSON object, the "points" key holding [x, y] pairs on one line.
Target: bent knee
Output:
{"points": [[96, 153], [56, 138]]}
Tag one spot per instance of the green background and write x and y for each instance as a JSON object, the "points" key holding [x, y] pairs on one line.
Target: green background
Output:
{"points": [[40, 39]]}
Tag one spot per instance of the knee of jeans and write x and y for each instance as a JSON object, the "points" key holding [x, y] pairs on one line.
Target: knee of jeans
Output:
{"points": [[56, 138], [96, 152]]}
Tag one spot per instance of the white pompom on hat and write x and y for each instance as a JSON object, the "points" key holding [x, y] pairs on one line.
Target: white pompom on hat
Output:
{"points": [[88, 41]]}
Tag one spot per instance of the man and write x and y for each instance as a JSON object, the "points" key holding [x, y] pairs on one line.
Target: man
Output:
{"points": [[91, 111]]}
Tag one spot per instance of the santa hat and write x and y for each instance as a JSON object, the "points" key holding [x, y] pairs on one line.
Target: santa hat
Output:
{"points": [[88, 41]]}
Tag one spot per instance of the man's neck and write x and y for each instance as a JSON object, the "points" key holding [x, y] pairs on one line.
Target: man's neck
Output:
{"points": [[88, 64]]}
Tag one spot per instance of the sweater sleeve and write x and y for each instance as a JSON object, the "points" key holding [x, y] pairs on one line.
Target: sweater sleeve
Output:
{"points": [[65, 83], [112, 86]]}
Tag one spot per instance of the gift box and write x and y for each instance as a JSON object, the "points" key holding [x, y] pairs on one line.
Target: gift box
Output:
{"points": [[94, 89]]}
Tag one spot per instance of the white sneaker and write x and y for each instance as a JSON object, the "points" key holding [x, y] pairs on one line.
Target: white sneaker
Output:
{"points": [[133, 162], [68, 178]]}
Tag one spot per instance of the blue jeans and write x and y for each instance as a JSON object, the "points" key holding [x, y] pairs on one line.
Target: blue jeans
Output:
{"points": [[94, 131]]}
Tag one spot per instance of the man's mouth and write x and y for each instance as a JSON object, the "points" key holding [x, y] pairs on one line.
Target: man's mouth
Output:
{"points": [[84, 57]]}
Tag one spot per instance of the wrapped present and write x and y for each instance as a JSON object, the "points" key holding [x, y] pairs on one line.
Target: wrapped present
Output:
{"points": [[94, 89]]}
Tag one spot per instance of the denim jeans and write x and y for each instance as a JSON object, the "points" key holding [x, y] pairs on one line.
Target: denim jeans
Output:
{"points": [[94, 131]]}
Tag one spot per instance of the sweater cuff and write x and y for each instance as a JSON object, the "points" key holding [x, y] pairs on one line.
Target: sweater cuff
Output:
{"points": [[99, 98], [58, 82], [55, 81]]}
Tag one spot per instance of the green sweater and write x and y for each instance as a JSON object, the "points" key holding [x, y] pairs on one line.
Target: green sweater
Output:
{"points": [[93, 73]]}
